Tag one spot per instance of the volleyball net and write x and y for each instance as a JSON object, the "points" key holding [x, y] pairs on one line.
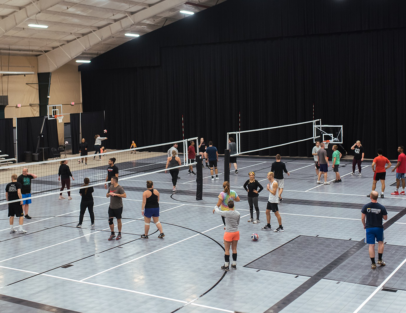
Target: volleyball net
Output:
{"points": [[131, 163]]}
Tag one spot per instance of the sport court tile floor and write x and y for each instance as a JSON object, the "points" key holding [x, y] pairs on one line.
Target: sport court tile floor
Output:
{"points": [[319, 264]]}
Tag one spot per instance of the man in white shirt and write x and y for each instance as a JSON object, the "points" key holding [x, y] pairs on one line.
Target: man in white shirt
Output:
{"points": [[316, 149]]}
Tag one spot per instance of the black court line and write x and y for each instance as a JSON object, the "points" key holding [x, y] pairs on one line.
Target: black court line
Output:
{"points": [[295, 294], [35, 305]]}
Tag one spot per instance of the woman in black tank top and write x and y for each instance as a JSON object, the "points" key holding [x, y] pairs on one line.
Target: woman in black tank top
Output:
{"points": [[150, 209], [172, 162]]}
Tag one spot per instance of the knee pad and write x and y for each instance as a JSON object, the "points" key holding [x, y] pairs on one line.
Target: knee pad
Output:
{"points": [[157, 223], [110, 221], [147, 224]]}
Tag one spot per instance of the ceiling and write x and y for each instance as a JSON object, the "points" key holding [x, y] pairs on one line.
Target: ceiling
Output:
{"points": [[74, 22]]}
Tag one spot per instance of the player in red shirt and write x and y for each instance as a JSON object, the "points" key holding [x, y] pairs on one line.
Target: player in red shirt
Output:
{"points": [[400, 172], [379, 169], [191, 156]]}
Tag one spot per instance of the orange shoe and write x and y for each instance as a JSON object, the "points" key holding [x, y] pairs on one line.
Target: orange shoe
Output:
{"points": [[396, 193], [403, 193]]}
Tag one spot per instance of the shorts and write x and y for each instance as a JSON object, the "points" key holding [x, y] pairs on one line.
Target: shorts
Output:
{"points": [[151, 212], [191, 161], [115, 213], [379, 176], [272, 207], [323, 168], [372, 234], [26, 195], [232, 236], [281, 183], [336, 168], [233, 159], [213, 163], [15, 209], [317, 165], [400, 175]]}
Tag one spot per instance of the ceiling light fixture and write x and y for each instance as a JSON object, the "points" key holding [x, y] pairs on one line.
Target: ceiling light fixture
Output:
{"points": [[187, 12], [16, 73], [131, 35], [37, 26], [83, 61]]}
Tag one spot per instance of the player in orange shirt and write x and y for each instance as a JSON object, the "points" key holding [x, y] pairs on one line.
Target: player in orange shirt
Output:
{"points": [[379, 169], [133, 145]]}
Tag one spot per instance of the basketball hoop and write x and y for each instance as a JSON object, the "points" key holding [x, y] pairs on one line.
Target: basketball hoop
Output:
{"points": [[59, 117], [326, 142]]}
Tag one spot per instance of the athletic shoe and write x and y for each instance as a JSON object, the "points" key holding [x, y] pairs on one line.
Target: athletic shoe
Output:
{"points": [[189, 171], [69, 198], [79, 226], [236, 171], [256, 222], [193, 173], [161, 235], [212, 178], [339, 180], [336, 181], [234, 267], [382, 196], [61, 198], [280, 199], [92, 225], [266, 227], [112, 237], [28, 217], [23, 231], [178, 177], [319, 182], [174, 190], [368, 195], [280, 228], [373, 266], [12, 231], [118, 237], [326, 183], [359, 174], [402, 193], [250, 220], [144, 236], [225, 268], [381, 263], [217, 177], [396, 193]]}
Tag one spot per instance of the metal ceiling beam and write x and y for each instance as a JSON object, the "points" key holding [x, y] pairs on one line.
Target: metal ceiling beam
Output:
{"points": [[10, 7], [80, 16], [93, 8], [73, 25], [54, 59], [28, 11], [45, 30]]}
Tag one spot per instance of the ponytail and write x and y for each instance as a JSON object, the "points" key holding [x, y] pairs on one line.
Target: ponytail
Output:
{"points": [[226, 186], [86, 182]]}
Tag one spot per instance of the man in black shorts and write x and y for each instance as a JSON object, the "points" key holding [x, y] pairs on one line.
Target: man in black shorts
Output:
{"points": [[273, 200], [112, 171], [25, 181], [115, 193], [13, 192], [379, 167], [233, 151], [213, 156]]}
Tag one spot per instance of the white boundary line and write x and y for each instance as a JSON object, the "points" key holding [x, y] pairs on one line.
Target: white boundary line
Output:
{"points": [[379, 288], [57, 244]]}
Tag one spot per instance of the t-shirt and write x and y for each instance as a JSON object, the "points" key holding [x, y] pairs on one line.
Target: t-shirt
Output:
{"points": [[83, 147], [170, 152], [12, 189], [191, 152], [86, 194], [232, 219], [402, 167], [374, 213], [224, 197], [64, 171], [233, 148], [336, 154], [358, 151], [278, 168], [111, 172], [212, 153], [116, 202], [25, 181], [315, 150], [322, 154], [251, 186], [380, 162]]}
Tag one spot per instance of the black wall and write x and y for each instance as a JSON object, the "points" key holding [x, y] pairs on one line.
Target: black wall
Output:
{"points": [[271, 61]]}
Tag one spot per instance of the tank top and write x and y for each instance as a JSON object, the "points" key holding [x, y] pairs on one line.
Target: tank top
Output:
{"points": [[273, 198], [173, 162], [152, 202], [202, 147]]}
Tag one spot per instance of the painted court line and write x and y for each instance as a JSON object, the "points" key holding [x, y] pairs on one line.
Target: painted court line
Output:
{"points": [[292, 170], [93, 233]]}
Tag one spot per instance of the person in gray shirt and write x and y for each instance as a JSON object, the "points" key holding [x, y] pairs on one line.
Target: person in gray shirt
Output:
{"points": [[316, 149], [322, 160], [233, 151], [232, 235], [116, 194]]}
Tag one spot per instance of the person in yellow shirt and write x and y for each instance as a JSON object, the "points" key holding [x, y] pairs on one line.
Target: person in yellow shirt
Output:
{"points": [[133, 145]]}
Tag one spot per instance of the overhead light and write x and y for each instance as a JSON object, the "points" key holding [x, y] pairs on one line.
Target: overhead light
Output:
{"points": [[131, 35], [187, 12], [16, 73], [83, 61], [37, 26]]}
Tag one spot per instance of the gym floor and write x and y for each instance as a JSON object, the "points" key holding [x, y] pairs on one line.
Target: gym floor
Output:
{"points": [[318, 264]]}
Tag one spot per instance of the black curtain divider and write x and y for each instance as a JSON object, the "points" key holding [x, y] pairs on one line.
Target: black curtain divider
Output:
{"points": [[92, 124], [6, 143], [75, 132], [28, 130]]}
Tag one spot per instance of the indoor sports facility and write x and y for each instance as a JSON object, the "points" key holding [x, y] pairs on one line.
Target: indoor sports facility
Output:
{"points": [[202, 156]]}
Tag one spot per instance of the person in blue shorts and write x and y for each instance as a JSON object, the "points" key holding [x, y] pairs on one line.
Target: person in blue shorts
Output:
{"points": [[372, 215], [150, 209], [213, 156], [25, 180]]}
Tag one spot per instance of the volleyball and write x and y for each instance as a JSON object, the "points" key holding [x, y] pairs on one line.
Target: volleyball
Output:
{"points": [[66, 142], [254, 237], [105, 131]]}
